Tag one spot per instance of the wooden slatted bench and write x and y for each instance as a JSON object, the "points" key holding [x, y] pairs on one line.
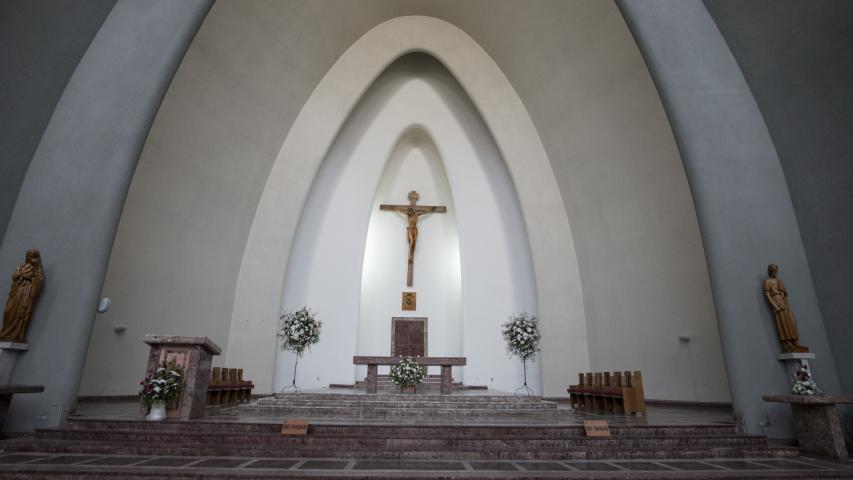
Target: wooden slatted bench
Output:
{"points": [[609, 393], [227, 387]]}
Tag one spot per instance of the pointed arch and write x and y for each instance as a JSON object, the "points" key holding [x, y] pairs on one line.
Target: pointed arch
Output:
{"points": [[261, 279]]}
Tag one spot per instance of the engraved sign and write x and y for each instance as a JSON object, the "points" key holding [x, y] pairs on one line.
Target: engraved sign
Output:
{"points": [[410, 300], [596, 428], [294, 426]]}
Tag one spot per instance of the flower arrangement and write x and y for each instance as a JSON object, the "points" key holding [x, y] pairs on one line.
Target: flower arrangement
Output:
{"points": [[407, 373], [804, 384], [521, 334], [299, 330], [164, 385]]}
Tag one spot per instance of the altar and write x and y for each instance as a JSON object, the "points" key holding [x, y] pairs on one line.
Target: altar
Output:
{"points": [[446, 364]]}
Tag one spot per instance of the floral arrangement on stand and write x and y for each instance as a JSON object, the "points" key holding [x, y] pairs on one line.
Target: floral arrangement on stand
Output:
{"points": [[522, 337], [804, 384], [407, 373], [298, 331], [161, 388]]}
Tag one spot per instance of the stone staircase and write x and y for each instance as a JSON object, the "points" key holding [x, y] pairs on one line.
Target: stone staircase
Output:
{"points": [[394, 442], [385, 406]]}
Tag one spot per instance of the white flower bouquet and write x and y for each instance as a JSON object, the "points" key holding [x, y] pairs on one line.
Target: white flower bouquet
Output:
{"points": [[407, 373], [521, 334], [299, 330], [804, 384]]}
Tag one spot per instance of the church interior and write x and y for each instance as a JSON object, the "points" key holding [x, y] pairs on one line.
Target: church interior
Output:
{"points": [[426, 239]]}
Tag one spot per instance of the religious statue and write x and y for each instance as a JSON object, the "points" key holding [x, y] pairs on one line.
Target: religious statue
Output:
{"points": [[412, 213], [26, 285], [786, 325]]}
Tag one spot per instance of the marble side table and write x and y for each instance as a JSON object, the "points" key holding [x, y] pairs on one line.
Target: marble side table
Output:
{"points": [[194, 354], [816, 422]]}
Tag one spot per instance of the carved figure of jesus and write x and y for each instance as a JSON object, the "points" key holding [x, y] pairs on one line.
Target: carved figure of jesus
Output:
{"points": [[413, 212]]}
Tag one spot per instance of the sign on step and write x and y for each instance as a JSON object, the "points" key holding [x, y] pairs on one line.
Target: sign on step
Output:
{"points": [[596, 428], [294, 426]]}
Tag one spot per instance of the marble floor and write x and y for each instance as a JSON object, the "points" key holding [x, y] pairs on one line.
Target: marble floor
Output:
{"points": [[81, 466]]}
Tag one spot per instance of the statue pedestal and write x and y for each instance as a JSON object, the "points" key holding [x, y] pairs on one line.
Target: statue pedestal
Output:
{"points": [[9, 352], [195, 355], [794, 360]]}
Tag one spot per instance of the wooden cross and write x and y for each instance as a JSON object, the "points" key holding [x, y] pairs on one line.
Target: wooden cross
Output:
{"points": [[412, 212]]}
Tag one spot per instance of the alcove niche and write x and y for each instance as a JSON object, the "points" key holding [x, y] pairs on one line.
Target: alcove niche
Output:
{"points": [[414, 129]]}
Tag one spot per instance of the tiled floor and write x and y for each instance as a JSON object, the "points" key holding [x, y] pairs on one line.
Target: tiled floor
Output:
{"points": [[231, 463]]}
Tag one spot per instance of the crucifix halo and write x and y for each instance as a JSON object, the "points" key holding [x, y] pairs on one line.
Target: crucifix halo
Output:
{"points": [[412, 211]]}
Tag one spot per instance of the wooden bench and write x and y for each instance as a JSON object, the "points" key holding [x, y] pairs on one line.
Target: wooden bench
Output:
{"points": [[227, 387], [607, 392]]}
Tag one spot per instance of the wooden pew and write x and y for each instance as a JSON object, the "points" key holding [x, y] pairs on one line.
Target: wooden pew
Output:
{"points": [[227, 387], [609, 393]]}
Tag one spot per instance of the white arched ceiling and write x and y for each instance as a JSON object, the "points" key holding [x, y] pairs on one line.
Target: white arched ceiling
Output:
{"points": [[558, 288], [325, 268]]}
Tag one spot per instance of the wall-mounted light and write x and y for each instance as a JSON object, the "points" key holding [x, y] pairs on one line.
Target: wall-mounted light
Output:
{"points": [[104, 304]]}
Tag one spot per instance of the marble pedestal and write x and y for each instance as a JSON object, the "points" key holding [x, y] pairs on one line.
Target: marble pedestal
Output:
{"points": [[794, 360], [195, 355], [9, 352], [816, 422]]}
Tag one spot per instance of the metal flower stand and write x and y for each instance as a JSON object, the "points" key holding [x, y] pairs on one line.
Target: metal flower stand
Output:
{"points": [[292, 388], [524, 389]]}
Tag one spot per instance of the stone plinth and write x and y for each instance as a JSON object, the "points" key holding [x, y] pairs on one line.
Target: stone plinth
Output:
{"points": [[195, 355], [816, 422], [6, 392], [794, 360], [9, 352]]}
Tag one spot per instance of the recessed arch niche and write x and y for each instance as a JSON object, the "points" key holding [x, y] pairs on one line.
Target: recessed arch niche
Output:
{"points": [[555, 270], [414, 124]]}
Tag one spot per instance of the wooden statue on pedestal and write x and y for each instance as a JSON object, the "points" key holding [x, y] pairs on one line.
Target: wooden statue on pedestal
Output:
{"points": [[786, 325], [26, 285]]}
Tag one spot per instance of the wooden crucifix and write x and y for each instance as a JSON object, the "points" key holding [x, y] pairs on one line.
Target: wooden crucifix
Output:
{"points": [[412, 213]]}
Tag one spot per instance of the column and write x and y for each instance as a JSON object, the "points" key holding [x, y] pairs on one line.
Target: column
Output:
{"points": [[73, 193]]}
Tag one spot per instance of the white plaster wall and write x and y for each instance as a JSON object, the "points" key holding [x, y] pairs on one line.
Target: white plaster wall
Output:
{"points": [[415, 164], [327, 257], [248, 73]]}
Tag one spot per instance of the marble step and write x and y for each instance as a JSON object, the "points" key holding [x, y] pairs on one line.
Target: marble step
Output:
{"points": [[414, 401], [319, 413], [413, 406], [394, 397], [270, 440], [180, 473], [455, 430], [237, 450]]}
